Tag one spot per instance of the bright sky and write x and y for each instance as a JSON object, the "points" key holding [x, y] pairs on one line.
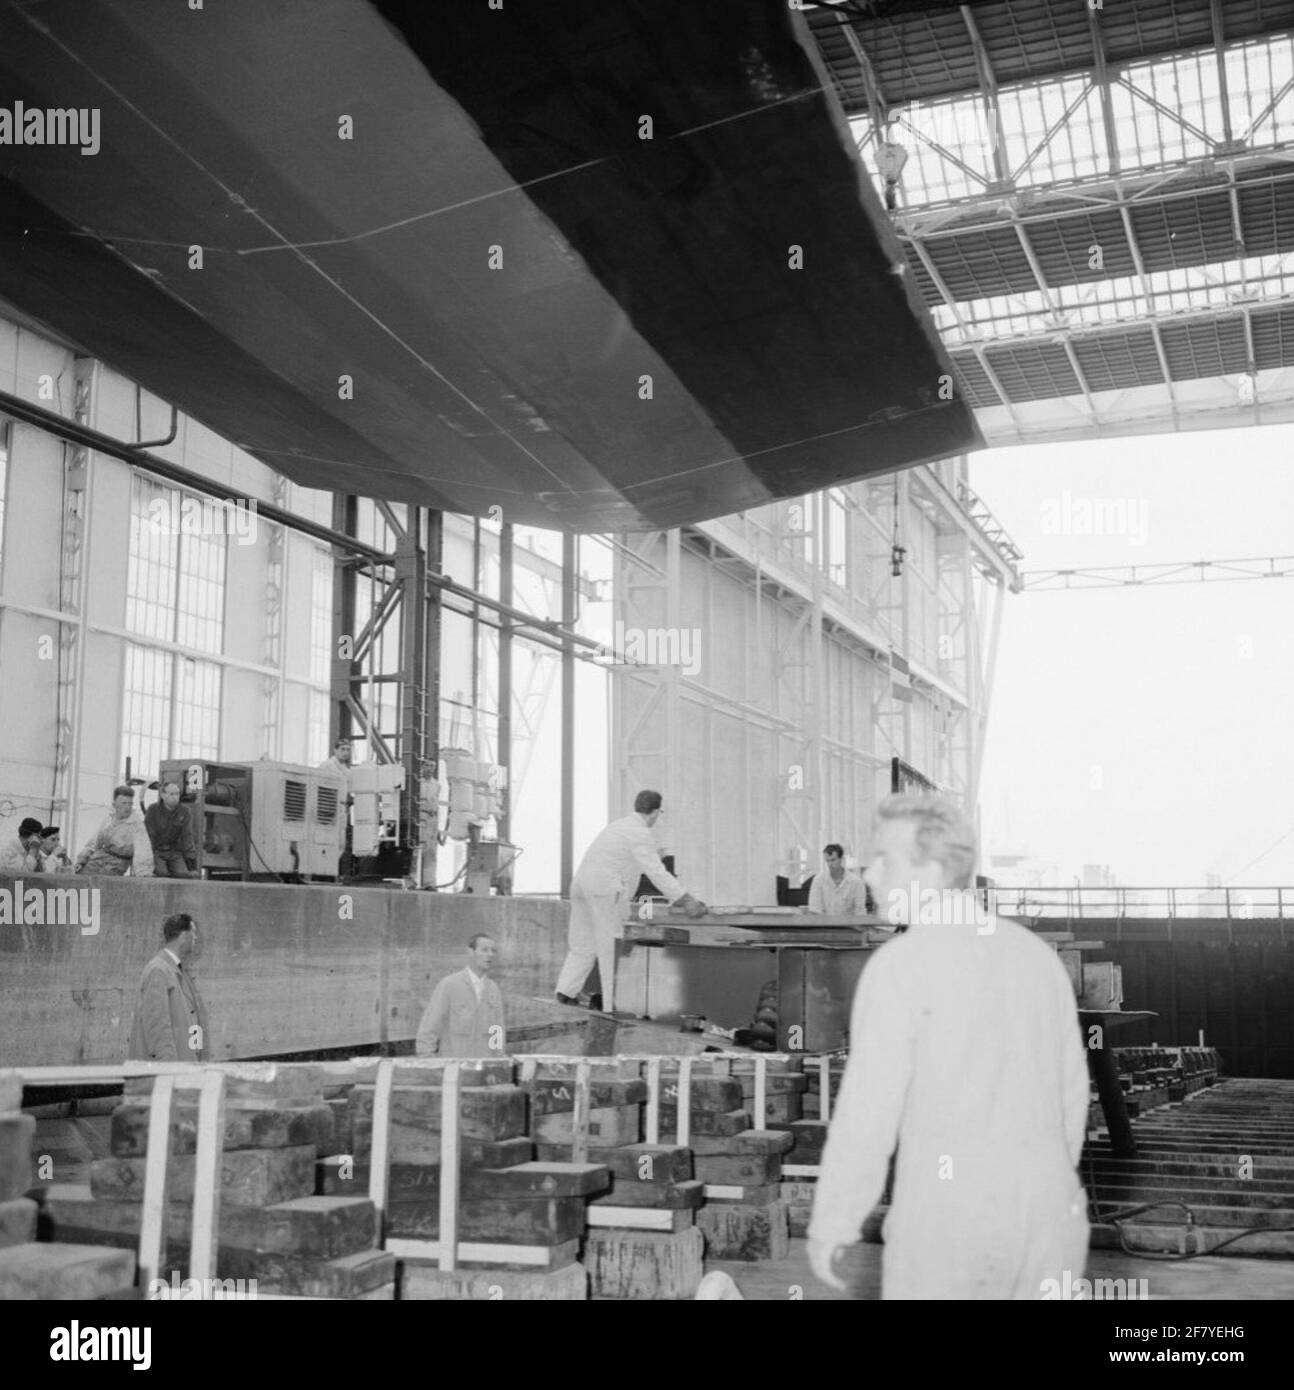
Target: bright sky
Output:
{"points": [[1152, 729]]}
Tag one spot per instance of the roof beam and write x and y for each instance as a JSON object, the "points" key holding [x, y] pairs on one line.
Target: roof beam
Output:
{"points": [[1102, 74], [1034, 338], [1062, 333], [877, 106], [1215, 15], [989, 94], [1148, 294], [981, 356], [1106, 195]]}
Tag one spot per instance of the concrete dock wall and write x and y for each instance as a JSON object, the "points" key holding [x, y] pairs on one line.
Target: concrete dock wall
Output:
{"points": [[282, 968]]}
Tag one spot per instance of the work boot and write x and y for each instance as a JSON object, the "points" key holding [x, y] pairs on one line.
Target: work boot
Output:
{"points": [[566, 999]]}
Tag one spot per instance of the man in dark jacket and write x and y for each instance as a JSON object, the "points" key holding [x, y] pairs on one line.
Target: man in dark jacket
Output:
{"points": [[170, 1018], [170, 830]]}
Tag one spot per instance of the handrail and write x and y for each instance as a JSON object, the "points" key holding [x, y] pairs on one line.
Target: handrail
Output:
{"points": [[1074, 904]]}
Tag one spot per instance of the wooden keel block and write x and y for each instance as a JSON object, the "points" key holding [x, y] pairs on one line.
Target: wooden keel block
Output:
{"points": [[254, 1084], [705, 1124], [343, 1119], [345, 1277], [519, 1221], [258, 1128], [638, 1219], [709, 1093], [661, 1164], [62, 1272], [474, 1071], [776, 1083], [779, 1109], [600, 1069], [609, 1127], [745, 1066], [798, 1216], [644, 1265], [739, 1232], [17, 1222], [750, 1195], [742, 1170], [679, 1196], [248, 1177], [485, 1112], [426, 1283], [16, 1135], [418, 1178], [321, 1228], [555, 1097], [749, 1141]]}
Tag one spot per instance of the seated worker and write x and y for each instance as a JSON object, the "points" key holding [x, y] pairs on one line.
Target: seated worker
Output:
{"points": [[465, 1016], [121, 844], [170, 829], [54, 859], [22, 856], [839, 892]]}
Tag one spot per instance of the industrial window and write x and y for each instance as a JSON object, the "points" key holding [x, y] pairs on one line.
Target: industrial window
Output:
{"points": [[321, 578], [318, 747], [147, 714], [175, 585], [175, 596]]}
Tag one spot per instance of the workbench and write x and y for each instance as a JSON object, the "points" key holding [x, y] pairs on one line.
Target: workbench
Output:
{"points": [[719, 970]]}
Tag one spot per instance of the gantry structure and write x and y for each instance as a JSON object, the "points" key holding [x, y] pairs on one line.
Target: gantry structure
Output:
{"points": [[1096, 200]]}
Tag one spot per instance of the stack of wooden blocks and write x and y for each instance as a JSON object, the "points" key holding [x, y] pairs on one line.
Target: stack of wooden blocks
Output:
{"points": [[43, 1272], [739, 1167], [519, 1221], [642, 1242], [271, 1227], [808, 1136]]}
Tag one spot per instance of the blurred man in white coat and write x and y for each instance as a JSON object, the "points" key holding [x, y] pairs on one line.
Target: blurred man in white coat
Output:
{"points": [[607, 875], [965, 1051]]}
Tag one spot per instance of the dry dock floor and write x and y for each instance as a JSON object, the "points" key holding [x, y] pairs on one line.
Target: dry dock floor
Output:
{"points": [[1215, 1277]]}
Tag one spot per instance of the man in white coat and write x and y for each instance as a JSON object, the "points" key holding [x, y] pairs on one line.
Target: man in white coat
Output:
{"points": [[465, 1017], [965, 1050], [609, 872]]}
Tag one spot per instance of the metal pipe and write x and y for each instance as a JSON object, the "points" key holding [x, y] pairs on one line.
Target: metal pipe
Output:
{"points": [[568, 726]]}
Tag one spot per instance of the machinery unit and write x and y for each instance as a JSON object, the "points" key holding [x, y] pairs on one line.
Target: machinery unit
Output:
{"points": [[1102, 985], [262, 819]]}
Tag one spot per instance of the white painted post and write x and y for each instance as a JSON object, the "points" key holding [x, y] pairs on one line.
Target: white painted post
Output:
{"points": [[449, 1127]]}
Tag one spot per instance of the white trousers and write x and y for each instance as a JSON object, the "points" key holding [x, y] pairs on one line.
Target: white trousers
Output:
{"points": [[595, 925], [996, 1245]]}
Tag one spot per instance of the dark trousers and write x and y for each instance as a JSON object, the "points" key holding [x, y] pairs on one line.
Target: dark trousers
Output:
{"points": [[170, 864]]}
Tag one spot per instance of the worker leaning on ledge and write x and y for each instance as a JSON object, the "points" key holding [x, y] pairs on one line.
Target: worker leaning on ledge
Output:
{"points": [[121, 844], [609, 870], [170, 831], [965, 1051], [465, 1016], [22, 856], [54, 859], [838, 892], [170, 1019]]}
